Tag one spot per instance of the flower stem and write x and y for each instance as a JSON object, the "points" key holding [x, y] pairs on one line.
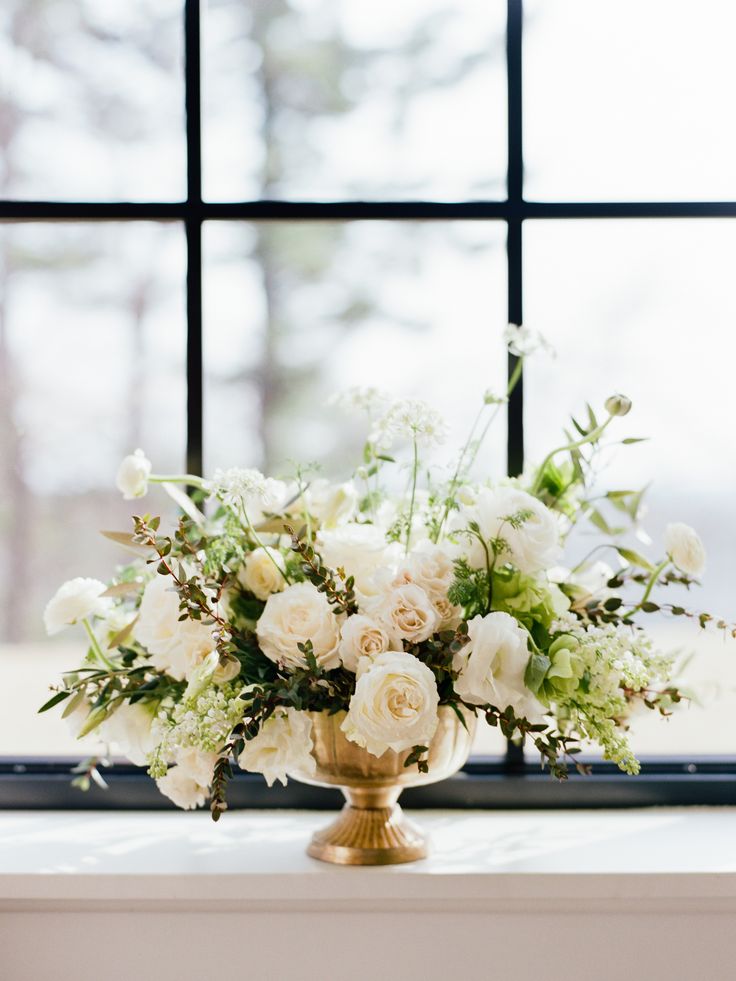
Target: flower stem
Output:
{"points": [[592, 437], [179, 478], [95, 645], [650, 585], [414, 473]]}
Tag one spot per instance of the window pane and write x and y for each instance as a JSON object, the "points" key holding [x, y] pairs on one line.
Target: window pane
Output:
{"points": [[647, 308], [91, 100], [629, 100], [92, 345], [311, 99]]}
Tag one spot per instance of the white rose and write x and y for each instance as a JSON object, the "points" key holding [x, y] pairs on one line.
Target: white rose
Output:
{"points": [[330, 503], [283, 745], [298, 614], [430, 567], [133, 474], [77, 599], [394, 705], [361, 637], [130, 729], [359, 549], [263, 572], [407, 613], [685, 548], [492, 665], [182, 789], [531, 546], [176, 646]]}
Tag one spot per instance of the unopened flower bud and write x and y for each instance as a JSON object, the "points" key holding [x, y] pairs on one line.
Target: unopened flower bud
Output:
{"points": [[618, 405]]}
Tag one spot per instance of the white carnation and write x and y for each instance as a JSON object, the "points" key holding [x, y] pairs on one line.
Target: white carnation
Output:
{"points": [[527, 527], [176, 646], [282, 746], [77, 599], [492, 665], [394, 705], [133, 474], [262, 573], [297, 615], [361, 637], [407, 613], [685, 548]]}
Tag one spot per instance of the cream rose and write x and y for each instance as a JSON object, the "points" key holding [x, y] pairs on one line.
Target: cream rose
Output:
{"points": [[361, 637], [298, 614], [176, 646], [407, 613], [394, 705], [262, 573], [361, 550], [133, 474], [283, 745], [430, 567], [77, 599], [129, 728], [533, 545], [685, 548], [492, 665]]}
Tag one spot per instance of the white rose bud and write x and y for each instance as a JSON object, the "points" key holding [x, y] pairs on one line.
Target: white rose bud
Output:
{"points": [[394, 705], [685, 548], [283, 745], [532, 542], [133, 474], [297, 615], [492, 665], [263, 572], [408, 613], [77, 599], [361, 637]]}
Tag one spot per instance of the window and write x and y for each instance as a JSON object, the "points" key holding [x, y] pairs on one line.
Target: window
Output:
{"points": [[178, 282]]}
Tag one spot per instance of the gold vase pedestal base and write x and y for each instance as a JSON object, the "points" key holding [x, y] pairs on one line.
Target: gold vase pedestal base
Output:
{"points": [[371, 830]]}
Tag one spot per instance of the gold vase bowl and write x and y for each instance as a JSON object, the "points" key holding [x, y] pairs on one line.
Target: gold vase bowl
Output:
{"points": [[371, 828]]}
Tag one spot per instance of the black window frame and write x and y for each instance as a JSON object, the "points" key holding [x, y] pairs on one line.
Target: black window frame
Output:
{"points": [[485, 782]]}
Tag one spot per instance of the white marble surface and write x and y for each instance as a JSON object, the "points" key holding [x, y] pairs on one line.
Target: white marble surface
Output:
{"points": [[575, 856]]}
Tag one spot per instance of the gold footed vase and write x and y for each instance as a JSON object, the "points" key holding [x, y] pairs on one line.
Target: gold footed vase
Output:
{"points": [[372, 828]]}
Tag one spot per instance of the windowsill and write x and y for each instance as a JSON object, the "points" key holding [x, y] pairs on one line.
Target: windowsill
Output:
{"points": [[662, 859]]}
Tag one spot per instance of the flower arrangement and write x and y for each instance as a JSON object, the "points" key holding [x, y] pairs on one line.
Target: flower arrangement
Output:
{"points": [[275, 598]]}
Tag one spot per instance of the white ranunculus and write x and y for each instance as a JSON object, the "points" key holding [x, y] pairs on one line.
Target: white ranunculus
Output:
{"points": [[129, 728], [361, 550], [394, 705], [182, 789], [298, 614], [407, 613], [77, 599], [283, 745], [492, 665], [133, 474], [331, 504], [685, 548], [263, 572], [361, 637], [176, 646], [533, 545]]}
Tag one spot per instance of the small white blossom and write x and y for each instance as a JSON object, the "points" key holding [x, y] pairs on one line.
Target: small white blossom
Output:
{"points": [[246, 489], [359, 398], [133, 474], [409, 419], [523, 341]]}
